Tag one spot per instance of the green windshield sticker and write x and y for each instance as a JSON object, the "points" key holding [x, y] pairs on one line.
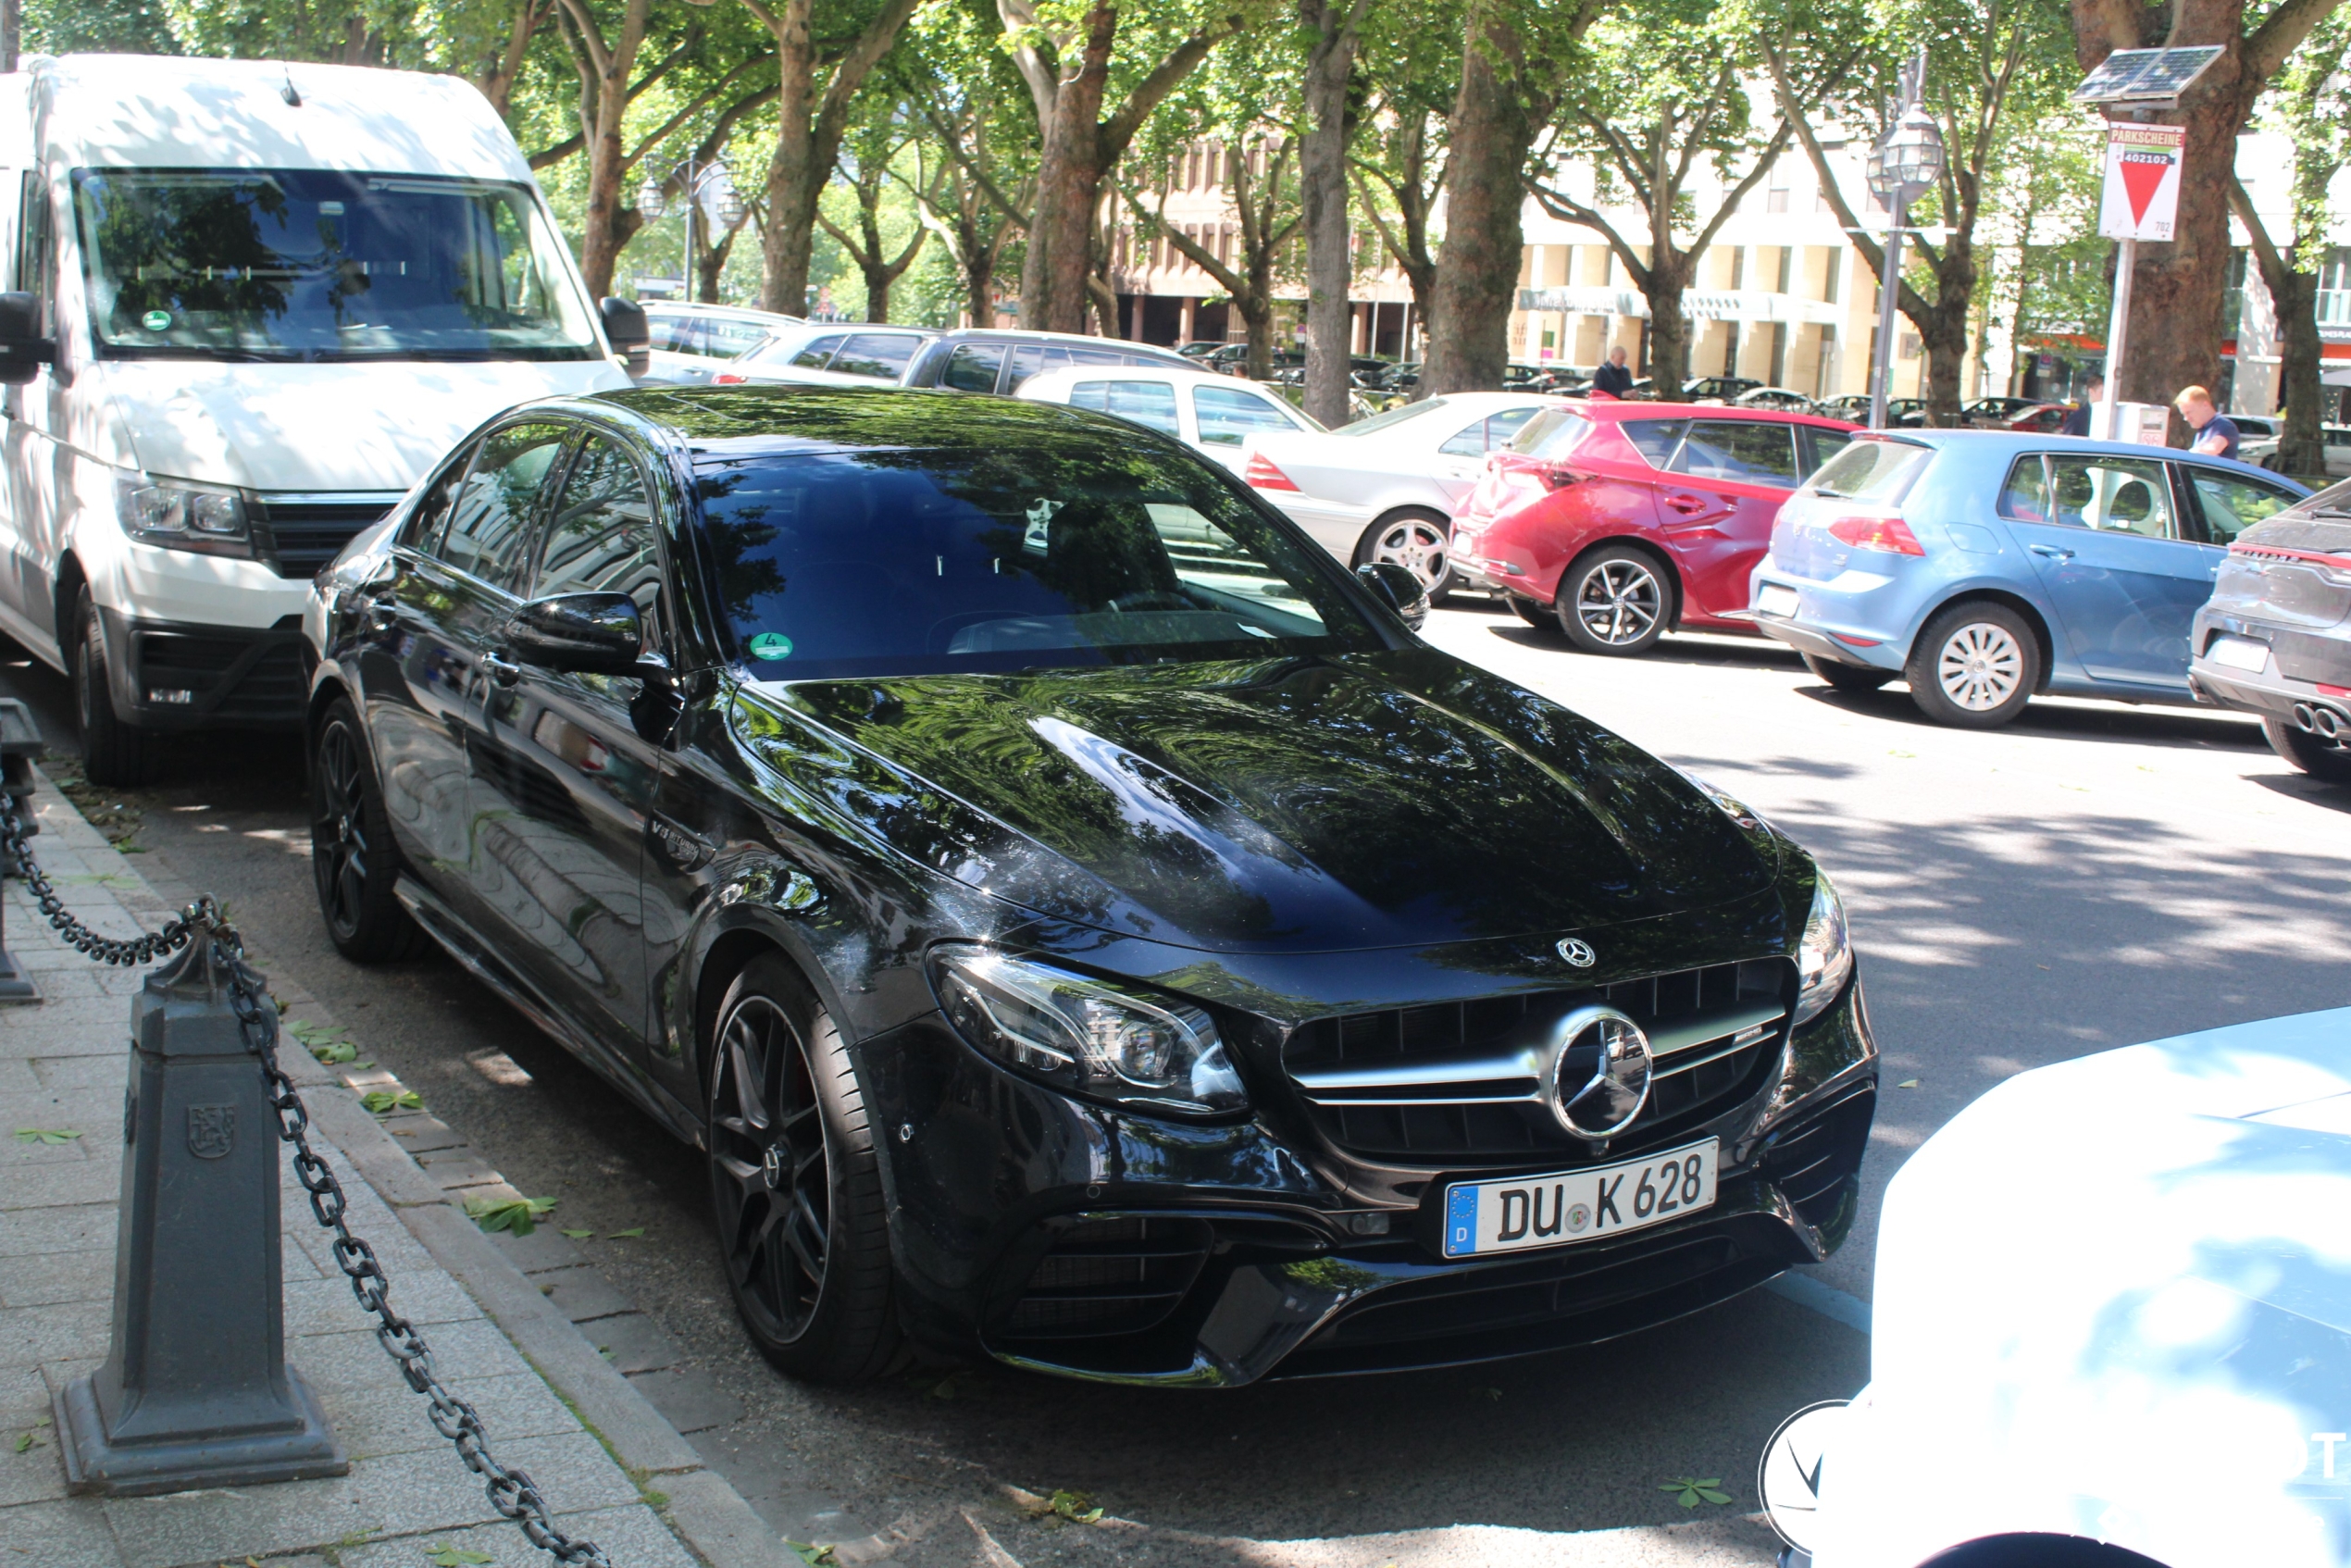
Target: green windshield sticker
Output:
{"points": [[771, 645], [156, 320]]}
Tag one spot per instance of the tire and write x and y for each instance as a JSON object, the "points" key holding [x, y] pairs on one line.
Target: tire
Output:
{"points": [[112, 751], [1614, 600], [2328, 764], [1975, 667], [1536, 616], [795, 1187], [1419, 541], [354, 861], [1845, 676]]}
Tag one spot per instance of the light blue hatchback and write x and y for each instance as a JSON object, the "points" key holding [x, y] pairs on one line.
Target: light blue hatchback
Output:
{"points": [[1982, 567]]}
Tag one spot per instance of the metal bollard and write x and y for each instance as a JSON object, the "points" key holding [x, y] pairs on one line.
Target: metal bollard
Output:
{"points": [[19, 743], [195, 1390]]}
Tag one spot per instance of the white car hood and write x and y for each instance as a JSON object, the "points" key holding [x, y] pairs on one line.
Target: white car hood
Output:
{"points": [[373, 427], [2113, 1300]]}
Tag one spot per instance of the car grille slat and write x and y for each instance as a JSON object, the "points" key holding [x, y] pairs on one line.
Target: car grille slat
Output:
{"points": [[1111, 1276], [1458, 1083], [301, 534]]}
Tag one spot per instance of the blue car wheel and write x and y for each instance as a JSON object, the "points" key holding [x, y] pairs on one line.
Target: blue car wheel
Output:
{"points": [[1975, 666]]}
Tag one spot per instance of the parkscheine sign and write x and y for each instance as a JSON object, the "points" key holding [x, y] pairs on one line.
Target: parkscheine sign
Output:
{"points": [[2142, 195]]}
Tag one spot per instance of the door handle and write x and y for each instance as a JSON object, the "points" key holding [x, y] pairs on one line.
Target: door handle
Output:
{"points": [[2051, 551], [1688, 505], [504, 671]]}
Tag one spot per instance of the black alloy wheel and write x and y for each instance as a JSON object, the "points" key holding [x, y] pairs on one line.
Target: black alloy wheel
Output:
{"points": [[2326, 761], [112, 751], [351, 856], [794, 1185], [1845, 676], [1614, 600]]}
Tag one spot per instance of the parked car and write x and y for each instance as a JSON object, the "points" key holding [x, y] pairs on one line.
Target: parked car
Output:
{"points": [[1233, 359], [1784, 400], [1616, 522], [185, 450], [829, 354], [1030, 873], [998, 361], [2161, 1386], [2041, 419], [1199, 348], [1853, 408], [1985, 566], [1998, 413], [1214, 414], [692, 340], [1384, 489], [2275, 636], [2261, 433]]}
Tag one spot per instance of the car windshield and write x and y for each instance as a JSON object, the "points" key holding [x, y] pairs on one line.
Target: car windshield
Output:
{"points": [[318, 265], [1058, 552], [1390, 419], [1871, 470]]}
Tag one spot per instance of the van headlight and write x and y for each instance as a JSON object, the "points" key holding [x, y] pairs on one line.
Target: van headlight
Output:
{"points": [[1086, 1037], [1824, 958], [176, 514]]}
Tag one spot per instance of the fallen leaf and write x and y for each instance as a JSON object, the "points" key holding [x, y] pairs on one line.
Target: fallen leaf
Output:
{"points": [[1692, 1491], [455, 1556], [816, 1556], [381, 1100], [1908, 1083], [630, 1234], [1902, 753], [47, 1135], [579, 1235], [516, 1215]]}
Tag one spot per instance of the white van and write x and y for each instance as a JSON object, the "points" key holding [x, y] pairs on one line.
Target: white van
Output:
{"points": [[247, 305]]}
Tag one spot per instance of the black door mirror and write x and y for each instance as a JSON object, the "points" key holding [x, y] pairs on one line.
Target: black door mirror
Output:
{"points": [[626, 330], [582, 634], [1399, 590], [23, 350]]}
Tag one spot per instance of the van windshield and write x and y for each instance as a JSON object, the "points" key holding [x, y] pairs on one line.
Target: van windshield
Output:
{"points": [[321, 264]]}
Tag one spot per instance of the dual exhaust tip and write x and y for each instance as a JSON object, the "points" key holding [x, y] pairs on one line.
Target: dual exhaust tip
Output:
{"points": [[2317, 719]]}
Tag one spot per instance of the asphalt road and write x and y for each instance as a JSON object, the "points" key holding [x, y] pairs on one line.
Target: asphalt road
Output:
{"points": [[2095, 876]]}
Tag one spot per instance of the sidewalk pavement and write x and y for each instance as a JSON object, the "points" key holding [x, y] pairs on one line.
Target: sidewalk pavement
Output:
{"points": [[612, 1469]]}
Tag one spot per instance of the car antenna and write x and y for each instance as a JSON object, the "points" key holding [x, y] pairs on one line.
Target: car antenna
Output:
{"points": [[288, 92]]}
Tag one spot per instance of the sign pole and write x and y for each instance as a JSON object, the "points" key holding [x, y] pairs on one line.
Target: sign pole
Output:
{"points": [[1888, 306], [2126, 261]]}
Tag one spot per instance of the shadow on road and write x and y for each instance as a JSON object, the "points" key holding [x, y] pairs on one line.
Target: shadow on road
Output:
{"points": [[2072, 720]]}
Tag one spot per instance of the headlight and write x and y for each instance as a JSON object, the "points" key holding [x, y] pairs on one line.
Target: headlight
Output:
{"points": [[180, 516], [1086, 1037], [1824, 959]]}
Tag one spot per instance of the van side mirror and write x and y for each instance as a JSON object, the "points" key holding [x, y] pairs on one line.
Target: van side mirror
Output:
{"points": [[580, 634], [1399, 590], [626, 330], [23, 350]]}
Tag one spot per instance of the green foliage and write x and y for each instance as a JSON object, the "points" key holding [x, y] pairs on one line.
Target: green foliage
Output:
{"points": [[111, 27], [383, 1102], [1689, 1491], [49, 1135], [517, 1216]]}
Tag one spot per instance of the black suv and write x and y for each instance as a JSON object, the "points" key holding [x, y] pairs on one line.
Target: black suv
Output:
{"points": [[985, 360], [1029, 868]]}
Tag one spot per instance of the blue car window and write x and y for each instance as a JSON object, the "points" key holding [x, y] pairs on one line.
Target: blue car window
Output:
{"points": [[2113, 495], [2232, 505], [2025, 498]]}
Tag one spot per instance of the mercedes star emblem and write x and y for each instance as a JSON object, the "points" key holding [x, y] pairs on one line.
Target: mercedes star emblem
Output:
{"points": [[1578, 952], [1600, 1076]]}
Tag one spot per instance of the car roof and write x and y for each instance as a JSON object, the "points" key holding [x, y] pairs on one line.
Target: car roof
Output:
{"points": [[1999, 443], [767, 420], [731, 312], [1619, 410], [1066, 374]]}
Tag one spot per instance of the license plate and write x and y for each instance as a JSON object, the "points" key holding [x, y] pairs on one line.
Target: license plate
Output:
{"points": [[2239, 653], [1777, 600], [1565, 1207]]}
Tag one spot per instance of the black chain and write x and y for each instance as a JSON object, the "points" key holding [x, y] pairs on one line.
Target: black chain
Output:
{"points": [[512, 1492]]}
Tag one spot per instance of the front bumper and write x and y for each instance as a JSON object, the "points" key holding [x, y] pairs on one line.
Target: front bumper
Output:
{"points": [[171, 676], [1068, 1239]]}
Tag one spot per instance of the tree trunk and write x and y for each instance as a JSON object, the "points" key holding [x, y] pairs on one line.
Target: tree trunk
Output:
{"points": [[978, 265], [713, 266], [1669, 341], [1477, 271], [1943, 333], [795, 177], [2302, 445], [1257, 314], [1069, 175], [1323, 187]]}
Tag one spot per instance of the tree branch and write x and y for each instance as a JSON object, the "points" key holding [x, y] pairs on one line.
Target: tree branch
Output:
{"points": [[1164, 79]]}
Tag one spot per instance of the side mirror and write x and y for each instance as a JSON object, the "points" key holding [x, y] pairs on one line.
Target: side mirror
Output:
{"points": [[626, 330], [1399, 590], [23, 350], [582, 634]]}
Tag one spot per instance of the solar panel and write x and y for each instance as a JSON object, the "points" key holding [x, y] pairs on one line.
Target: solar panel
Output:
{"points": [[2132, 75]]}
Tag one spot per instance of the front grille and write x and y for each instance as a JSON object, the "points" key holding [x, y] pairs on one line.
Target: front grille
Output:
{"points": [[300, 534], [1116, 1275], [1456, 1084], [231, 679]]}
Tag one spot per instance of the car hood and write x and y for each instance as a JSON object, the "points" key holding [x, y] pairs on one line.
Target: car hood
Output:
{"points": [[2144, 1360], [371, 427], [1294, 804]]}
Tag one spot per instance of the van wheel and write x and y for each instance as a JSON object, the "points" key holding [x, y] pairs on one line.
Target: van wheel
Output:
{"points": [[112, 751], [2329, 765], [795, 1186], [351, 856], [1845, 676], [1974, 666]]}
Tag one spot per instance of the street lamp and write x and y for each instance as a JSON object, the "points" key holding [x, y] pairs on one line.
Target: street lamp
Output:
{"points": [[709, 186], [1904, 165]]}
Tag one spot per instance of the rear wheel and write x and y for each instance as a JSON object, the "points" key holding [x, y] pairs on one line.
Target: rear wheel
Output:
{"points": [[112, 751], [1420, 542], [2326, 762], [352, 858], [1845, 676], [1614, 601], [1975, 666], [795, 1184]]}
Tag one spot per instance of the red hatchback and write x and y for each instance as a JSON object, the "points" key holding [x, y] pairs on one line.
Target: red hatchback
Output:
{"points": [[1620, 521]]}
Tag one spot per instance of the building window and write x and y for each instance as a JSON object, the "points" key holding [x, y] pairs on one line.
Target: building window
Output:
{"points": [[1775, 199], [1787, 266], [1828, 276], [2334, 288]]}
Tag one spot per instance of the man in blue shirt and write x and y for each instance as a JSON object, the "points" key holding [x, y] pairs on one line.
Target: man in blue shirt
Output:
{"points": [[1614, 378], [2077, 421], [2216, 434]]}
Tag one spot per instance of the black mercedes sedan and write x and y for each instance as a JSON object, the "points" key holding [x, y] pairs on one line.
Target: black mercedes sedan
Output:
{"points": [[1080, 923]]}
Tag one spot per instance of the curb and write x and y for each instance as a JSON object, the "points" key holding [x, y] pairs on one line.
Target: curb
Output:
{"points": [[704, 1512]]}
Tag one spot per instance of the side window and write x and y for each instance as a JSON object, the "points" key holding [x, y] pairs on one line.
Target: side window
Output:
{"points": [[1655, 438], [34, 247], [1095, 356], [882, 355], [1145, 402], [722, 339], [2025, 498], [1226, 416], [813, 357], [1820, 445], [973, 368], [1471, 443], [2232, 505], [421, 532], [1742, 450], [2118, 494], [1503, 427], [491, 519], [1030, 358], [599, 538]]}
